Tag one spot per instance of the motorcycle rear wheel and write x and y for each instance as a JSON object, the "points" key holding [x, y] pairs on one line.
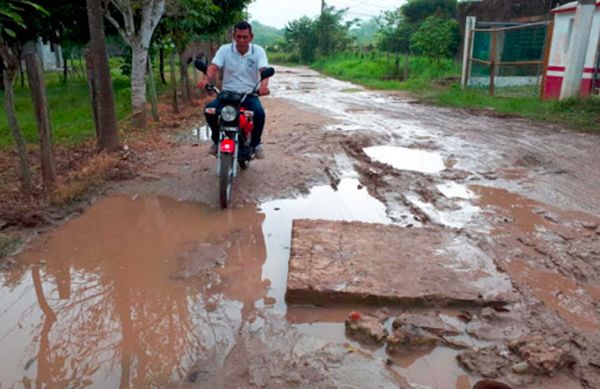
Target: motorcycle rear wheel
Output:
{"points": [[225, 179]]}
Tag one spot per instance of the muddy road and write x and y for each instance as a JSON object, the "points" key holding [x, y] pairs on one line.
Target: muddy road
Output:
{"points": [[155, 286]]}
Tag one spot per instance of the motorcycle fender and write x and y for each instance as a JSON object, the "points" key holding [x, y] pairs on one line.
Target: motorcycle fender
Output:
{"points": [[227, 146]]}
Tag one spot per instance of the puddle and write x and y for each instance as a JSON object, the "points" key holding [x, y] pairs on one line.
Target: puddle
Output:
{"points": [[132, 291], [464, 213], [521, 209], [403, 158], [123, 295], [201, 133], [453, 190]]}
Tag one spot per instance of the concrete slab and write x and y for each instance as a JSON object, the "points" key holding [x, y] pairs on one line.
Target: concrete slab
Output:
{"points": [[352, 262]]}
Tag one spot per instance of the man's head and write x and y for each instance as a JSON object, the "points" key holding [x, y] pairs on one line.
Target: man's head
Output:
{"points": [[242, 34]]}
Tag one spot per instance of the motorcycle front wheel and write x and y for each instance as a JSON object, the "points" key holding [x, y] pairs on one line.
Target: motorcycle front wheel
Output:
{"points": [[225, 179]]}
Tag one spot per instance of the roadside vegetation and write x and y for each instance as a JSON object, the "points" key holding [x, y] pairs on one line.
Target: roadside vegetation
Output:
{"points": [[92, 114], [414, 48]]}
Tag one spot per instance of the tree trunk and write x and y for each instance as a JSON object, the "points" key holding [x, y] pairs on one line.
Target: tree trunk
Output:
{"points": [[9, 103], [161, 65], [174, 82], [152, 90], [21, 71], [65, 70], [106, 129], [194, 94], [185, 79], [138, 85], [35, 76], [93, 91]]}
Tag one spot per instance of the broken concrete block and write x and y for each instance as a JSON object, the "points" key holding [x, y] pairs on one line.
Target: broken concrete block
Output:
{"points": [[365, 327], [353, 262]]}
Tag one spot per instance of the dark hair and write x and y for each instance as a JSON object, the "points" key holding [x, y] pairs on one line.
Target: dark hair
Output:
{"points": [[243, 25]]}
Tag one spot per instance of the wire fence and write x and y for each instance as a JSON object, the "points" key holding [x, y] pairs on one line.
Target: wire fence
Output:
{"points": [[508, 59]]}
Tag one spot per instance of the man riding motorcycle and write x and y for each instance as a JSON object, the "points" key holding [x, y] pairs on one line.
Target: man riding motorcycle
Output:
{"points": [[241, 62]]}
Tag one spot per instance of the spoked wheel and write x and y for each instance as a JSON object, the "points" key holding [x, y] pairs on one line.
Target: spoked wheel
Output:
{"points": [[225, 179]]}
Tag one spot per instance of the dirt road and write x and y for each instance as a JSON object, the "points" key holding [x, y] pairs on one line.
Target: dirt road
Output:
{"points": [[155, 286]]}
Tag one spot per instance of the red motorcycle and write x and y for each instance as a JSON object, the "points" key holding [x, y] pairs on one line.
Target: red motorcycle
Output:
{"points": [[235, 133]]}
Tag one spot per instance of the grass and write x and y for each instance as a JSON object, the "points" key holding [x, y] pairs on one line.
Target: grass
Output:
{"points": [[438, 82], [8, 245], [69, 107], [578, 114], [379, 71]]}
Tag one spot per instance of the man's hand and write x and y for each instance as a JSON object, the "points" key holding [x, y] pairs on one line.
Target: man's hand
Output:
{"points": [[203, 83], [263, 90], [210, 76]]}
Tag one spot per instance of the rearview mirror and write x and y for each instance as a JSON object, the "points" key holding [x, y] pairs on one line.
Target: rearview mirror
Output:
{"points": [[266, 73], [200, 65]]}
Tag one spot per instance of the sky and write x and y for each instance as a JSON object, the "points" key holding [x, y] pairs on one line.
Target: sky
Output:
{"points": [[277, 13]]}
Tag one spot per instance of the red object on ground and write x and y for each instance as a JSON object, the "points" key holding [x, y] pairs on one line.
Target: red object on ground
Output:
{"points": [[354, 316]]}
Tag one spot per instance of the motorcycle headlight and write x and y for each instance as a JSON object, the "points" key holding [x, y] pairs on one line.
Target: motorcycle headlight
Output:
{"points": [[228, 113]]}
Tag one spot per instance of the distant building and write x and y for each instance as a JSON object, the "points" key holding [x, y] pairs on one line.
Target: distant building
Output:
{"points": [[51, 55], [564, 17]]}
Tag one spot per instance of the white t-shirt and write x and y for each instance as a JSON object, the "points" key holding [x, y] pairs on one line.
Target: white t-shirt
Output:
{"points": [[240, 72]]}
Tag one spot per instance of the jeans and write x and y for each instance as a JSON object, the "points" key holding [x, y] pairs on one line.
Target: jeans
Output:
{"points": [[252, 103]]}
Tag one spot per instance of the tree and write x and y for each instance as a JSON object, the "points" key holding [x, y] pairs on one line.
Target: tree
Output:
{"points": [[436, 38], [11, 23], [331, 31], [103, 104], [416, 11], [300, 34], [183, 20], [397, 26], [138, 20], [394, 32]]}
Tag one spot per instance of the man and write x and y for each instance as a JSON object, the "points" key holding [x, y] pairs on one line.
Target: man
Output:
{"points": [[241, 62]]}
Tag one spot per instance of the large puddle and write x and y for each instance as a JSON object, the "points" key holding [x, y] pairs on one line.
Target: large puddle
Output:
{"points": [[132, 292], [122, 294]]}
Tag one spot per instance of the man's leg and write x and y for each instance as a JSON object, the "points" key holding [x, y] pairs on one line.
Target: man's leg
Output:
{"points": [[252, 103], [212, 118]]}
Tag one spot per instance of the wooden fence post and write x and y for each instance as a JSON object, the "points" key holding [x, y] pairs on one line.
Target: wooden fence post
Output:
{"points": [[493, 62]]}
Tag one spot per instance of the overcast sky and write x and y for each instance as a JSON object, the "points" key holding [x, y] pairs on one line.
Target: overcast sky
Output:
{"points": [[277, 13]]}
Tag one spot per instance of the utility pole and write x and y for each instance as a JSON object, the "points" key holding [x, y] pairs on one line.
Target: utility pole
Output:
{"points": [[578, 47], [322, 6]]}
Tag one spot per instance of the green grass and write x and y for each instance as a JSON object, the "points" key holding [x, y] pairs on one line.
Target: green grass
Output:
{"points": [[69, 107], [379, 71], [578, 114]]}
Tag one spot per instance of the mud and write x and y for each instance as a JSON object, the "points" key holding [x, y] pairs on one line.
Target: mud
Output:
{"points": [[154, 286]]}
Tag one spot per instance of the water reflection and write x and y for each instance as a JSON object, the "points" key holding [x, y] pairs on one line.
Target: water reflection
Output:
{"points": [[110, 300]]}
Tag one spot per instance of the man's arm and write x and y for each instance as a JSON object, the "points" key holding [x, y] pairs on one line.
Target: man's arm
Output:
{"points": [[263, 89], [210, 77]]}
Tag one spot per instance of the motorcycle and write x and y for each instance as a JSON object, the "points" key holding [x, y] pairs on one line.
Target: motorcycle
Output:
{"points": [[235, 133]]}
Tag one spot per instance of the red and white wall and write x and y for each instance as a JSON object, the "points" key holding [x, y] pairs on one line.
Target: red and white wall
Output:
{"points": [[561, 39]]}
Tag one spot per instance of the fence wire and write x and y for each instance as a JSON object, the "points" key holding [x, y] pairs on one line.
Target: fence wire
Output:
{"points": [[516, 55]]}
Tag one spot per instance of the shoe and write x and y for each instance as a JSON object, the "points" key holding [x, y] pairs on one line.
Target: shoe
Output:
{"points": [[213, 149], [259, 153]]}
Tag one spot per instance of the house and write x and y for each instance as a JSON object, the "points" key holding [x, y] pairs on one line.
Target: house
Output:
{"points": [[564, 17]]}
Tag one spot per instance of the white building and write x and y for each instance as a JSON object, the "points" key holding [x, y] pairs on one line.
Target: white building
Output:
{"points": [[564, 17]]}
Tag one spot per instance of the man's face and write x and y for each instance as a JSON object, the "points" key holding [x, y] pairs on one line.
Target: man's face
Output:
{"points": [[242, 39]]}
